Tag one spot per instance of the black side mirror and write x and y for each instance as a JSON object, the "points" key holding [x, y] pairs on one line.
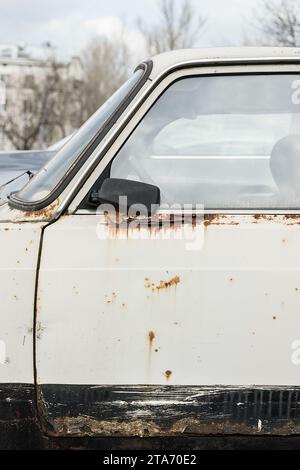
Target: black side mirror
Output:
{"points": [[142, 197]]}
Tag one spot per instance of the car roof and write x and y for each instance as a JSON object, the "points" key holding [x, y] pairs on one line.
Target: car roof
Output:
{"points": [[167, 60]]}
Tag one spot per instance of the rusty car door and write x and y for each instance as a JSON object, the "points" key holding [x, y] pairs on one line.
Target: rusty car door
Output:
{"points": [[187, 322]]}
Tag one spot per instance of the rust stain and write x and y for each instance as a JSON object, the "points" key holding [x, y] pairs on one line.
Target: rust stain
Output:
{"points": [[162, 284], [151, 338], [43, 213], [219, 219], [292, 219], [274, 317], [120, 225], [110, 299], [264, 217], [285, 219], [168, 374]]}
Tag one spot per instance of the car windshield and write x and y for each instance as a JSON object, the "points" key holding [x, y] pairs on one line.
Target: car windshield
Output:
{"points": [[50, 176]]}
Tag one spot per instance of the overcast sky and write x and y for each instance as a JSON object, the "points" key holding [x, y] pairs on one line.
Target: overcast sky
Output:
{"points": [[69, 24]]}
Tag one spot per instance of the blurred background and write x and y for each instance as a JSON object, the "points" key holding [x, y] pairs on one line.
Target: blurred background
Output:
{"points": [[61, 59]]}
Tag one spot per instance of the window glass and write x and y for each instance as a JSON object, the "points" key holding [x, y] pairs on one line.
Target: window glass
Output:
{"points": [[222, 141]]}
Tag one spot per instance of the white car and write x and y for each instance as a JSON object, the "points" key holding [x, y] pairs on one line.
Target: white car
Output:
{"points": [[150, 271]]}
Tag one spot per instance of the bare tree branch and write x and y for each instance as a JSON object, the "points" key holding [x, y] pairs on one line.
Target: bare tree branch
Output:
{"points": [[179, 27], [106, 68], [39, 116]]}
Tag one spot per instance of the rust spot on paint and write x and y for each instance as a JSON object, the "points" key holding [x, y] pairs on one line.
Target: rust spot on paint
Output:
{"points": [[168, 374], [288, 219], [162, 284], [231, 279], [219, 219], [274, 317], [45, 213], [172, 282], [263, 217], [210, 218], [121, 225], [110, 299], [292, 219], [151, 336]]}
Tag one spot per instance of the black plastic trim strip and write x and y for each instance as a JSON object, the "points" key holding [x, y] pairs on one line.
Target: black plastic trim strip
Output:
{"points": [[170, 410]]}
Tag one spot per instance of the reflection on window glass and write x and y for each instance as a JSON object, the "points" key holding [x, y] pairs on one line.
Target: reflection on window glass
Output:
{"points": [[224, 141]]}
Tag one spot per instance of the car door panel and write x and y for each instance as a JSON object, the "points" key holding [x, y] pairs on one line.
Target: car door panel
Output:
{"points": [[146, 326]]}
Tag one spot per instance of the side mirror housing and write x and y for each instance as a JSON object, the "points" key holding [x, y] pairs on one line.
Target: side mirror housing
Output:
{"points": [[128, 196]]}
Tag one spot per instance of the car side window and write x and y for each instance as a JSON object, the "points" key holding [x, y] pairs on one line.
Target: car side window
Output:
{"points": [[227, 142]]}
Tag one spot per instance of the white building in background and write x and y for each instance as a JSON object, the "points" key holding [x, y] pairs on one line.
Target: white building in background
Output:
{"points": [[29, 64]]}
